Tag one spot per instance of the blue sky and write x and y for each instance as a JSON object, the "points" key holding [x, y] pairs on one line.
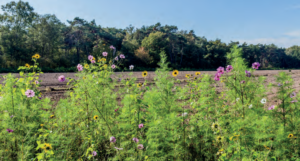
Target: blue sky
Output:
{"points": [[251, 21]]}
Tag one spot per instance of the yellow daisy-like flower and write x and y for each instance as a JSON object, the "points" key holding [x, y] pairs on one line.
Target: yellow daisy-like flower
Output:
{"points": [[52, 116], [103, 59], [175, 73], [42, 125], [36, 56], [27, 65], [47, 147], [83, 77], [195, 78], [197, 73], [290, 135], [96, 117], [219, 139], [86, 66], [144, 74], [94, 58], [187, 75], [105, 66], [98, 60], [215, 126], [139, 85]]}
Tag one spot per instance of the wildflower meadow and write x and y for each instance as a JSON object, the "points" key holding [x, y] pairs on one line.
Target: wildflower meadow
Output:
{"points": [[150, 122]]}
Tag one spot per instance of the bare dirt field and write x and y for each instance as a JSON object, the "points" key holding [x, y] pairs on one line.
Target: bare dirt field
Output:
{"points": [[59, 88]]}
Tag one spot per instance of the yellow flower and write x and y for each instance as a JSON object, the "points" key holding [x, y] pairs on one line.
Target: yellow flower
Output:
{"points": [[144, 74], [27, 65], [139, 85], [94, 58], [195, 78], [187, 75], [175, 73], [102, 59], [83, 77], [219, 139], [290, 135], [36, 56], [51, 116], [197, 73], [42, 125], [98, 60], [86, 66], [105, 66], [215, 126], [47, 147], [96, 117]]}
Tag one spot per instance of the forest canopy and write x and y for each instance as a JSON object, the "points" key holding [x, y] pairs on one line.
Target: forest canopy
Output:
{"points": [[24, 33]]}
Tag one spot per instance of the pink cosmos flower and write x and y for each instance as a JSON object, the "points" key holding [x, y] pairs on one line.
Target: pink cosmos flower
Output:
{"points": [[116, 58], [113, 66], [141, 125], [271, 107], [294, 101], [135, 140], [9, 130], [104, 53], [61, 78], [90, 57], [79, 67], [37, 82], [112, 47], [116, 109], [140, 146], [220, 70], [113, 139], [228, 68], [93, 61], [255, 65], [217, 76], [242, 81], [248, 74], [29, 93], [122, 56], [94, 153], [293, 95]]}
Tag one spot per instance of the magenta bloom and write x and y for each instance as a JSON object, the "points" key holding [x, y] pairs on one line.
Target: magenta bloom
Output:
{"points": [[61, 78], [135, 140], [93, 61], [79, 67], [116, 109], [228, 68], [294, 101], [9, 130], [293, 95], [255, 65], [220, 70], [90, 57], [271, 108], [94, 153], [141, 125], [112, 47], [37, 82], [217, 76], [113, 66], [104, 53], [248, 74], [140, 146], [116, 58], [242, 81], [29, 93], [122, 56], [113, 139]]}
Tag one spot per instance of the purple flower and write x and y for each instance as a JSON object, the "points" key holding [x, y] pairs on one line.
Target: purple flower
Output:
{"points": [[294, 101], [242, 81], [79, 67], [122, 56], [141, 125], [113, 66], [119, 80], [11, 116], [29, 93], [113, 139], [61, 78], [9, 130], [112, 47], [228, 68], [293, 95], [94, 153], [104, 53], [255, 65], [37, 82], [271, 107], [90, 57], [131, 67], [116, 58], [140, 146], [116, 109], [217, 76], [135, 140], [40, 98], [93, 61], [279, 84], [220, 70], [248, 74]]}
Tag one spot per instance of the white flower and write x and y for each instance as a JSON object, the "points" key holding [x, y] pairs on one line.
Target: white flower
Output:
{"points": [[127, 90], [119, 148], [237, 99], [263, 101], [250, 106], [50, 131], [97, 82], [184, 114], [131, 67]]}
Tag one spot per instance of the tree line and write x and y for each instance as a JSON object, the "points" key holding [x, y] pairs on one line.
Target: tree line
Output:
{"points": [[24, 33]]}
